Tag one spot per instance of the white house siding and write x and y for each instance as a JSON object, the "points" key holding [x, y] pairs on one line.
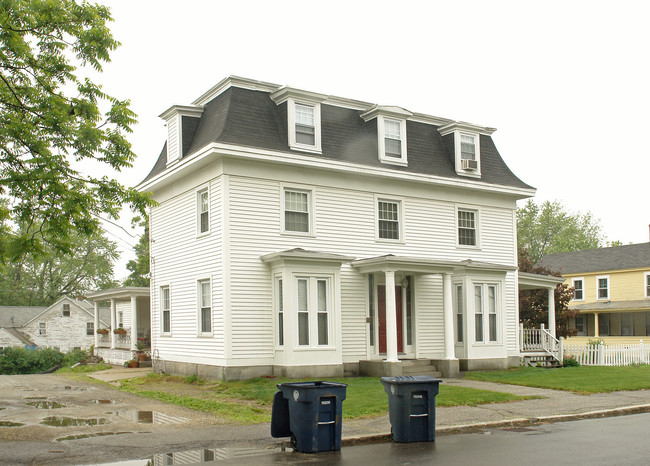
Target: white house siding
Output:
{"points": [[7, 339], [344, 223], [512, 314], [179, 258], [429, 326], [61, 332], [125, 308], [173, 139]]}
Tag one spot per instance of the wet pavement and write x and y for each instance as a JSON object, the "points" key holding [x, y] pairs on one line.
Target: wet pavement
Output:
{"points": [[136, 427]]}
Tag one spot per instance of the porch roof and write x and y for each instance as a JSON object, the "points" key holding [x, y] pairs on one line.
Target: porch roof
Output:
{"points": [[305, 255], [618, 306], [119, 293], [426, 266], [532, 281]]}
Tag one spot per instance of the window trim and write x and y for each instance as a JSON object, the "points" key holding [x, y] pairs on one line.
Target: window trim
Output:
{"points": [[280, 314], [200, 307], [90, 327], [486, 314], [381, 141], [573, 284], [42, 328], [66, 308], [646, 284], [313, 311], [291, 125], [162, 310], [400, 219], [310, 210], [477, 229], [458, 134], [609, 286], [459, 311], [199, 192]]}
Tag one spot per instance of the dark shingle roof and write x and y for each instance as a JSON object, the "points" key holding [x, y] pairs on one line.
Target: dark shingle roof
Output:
{"points": [[250, 118], [632, 256]]}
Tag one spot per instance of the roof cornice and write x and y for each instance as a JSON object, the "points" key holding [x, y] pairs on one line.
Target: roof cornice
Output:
{"points": [[388, 111], [235, 81], [185, 110], [285, 92], [464, 126], [194, 160]]}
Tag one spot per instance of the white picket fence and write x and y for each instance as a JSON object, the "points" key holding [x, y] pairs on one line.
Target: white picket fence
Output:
{"points": [[608, 355]]}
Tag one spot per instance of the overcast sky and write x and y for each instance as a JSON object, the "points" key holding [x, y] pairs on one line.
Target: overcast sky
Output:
{"points": [[566, 83]]}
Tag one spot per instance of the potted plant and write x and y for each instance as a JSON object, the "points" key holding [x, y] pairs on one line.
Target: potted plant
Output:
{"points": [[142, 356], [102, 331], [132, 363], [119, 331]]}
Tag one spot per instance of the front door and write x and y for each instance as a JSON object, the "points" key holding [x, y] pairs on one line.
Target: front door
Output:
{"points": [[381, 318]]}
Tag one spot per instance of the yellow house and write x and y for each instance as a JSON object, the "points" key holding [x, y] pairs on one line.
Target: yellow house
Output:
{"points": [[611, 291]]}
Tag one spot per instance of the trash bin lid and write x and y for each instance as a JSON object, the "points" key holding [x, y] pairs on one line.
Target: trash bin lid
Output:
{"points": [[312, 385], [411, 379]]}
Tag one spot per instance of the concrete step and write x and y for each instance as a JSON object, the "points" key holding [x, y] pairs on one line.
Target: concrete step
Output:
{"points": [[432, 373], [416, 362]]}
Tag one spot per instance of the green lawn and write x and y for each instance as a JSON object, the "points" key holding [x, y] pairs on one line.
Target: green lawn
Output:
{"points": [[583, 379], [249, 401]]}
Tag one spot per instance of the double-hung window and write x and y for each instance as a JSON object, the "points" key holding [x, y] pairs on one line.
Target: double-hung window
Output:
{"points": [[467, 227], [165, 309], [392, 138], [646, 279], [66, 310], [313, 310], [203, 205], [305, 124], [205, 306], [120, 319], [485, 313], [90, 328], [602, 283], [42, 328], [388, 213], [467, 147], [296, 211], [578, 289], [459, 313], [280, 307]]}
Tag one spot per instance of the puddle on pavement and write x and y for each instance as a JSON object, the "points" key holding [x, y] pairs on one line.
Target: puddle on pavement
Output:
{"points": [[46, 404], [147, 417], [102, 402], [96, 434], [61, 421], [204, 455], [10, 424], [36, 398]]}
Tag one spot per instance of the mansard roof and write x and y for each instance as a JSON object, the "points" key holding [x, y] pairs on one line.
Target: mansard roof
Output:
{"points": [[243, 116]]}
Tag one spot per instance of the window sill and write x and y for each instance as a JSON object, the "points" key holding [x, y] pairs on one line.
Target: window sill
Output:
{"points": [[468, 246], [203, 235], [309, 149], [389, 241], [298, 233], [204, 335], [313, 348], [401, 162]]}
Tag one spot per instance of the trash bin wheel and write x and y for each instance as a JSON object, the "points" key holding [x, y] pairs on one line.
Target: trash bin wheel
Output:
{"points": [[294, 442]]}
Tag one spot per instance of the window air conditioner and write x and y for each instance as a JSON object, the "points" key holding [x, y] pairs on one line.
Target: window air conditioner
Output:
{"points": [[467, 164]]}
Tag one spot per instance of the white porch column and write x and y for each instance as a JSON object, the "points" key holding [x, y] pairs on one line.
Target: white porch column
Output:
{"points": [[596, 330], [113, 321], [551, 311], [448, 314], [134, 323], [391, 318], [96, 325]]}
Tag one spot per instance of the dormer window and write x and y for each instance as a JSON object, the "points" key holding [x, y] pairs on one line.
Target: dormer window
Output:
{"points": [[391, 133], [467, 146], [305, 125], [303, 117]]}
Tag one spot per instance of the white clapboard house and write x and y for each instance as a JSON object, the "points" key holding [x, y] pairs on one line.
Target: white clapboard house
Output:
{"points": [[303, 234]]}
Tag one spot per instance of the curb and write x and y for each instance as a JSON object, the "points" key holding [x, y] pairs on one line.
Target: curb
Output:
{"points": [[519, 422]]}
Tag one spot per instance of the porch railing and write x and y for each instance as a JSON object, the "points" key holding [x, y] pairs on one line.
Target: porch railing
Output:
{"points": [[122, 341], [540, 340]]}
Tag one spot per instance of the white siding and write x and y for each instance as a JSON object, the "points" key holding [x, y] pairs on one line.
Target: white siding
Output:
{"points": [[61, 332], [173, 139], [179, 258], [429, 318]]}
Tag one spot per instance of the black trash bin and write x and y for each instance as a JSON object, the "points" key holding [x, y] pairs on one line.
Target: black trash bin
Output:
{"points": [[412, 407], [311, 412]]}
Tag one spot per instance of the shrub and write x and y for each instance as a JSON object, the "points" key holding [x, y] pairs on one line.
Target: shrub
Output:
{"points": [[18, 360], [75, 356], [570, 362]]}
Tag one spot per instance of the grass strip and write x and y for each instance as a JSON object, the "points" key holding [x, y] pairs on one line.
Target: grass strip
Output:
{"points": [[249, 401], [581, 380]]}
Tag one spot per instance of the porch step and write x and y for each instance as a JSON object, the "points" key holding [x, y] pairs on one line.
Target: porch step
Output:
{"points": [[419, 367], [547, 361]]}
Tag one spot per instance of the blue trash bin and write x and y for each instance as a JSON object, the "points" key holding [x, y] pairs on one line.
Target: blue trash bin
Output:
{"points": [[315, 411], [412, 407]]}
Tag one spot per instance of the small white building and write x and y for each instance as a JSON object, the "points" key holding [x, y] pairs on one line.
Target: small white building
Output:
{"points": [[67, 324], [303, 234]]}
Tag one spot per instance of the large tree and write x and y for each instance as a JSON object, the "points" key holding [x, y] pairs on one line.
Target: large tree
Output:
{"points": [[550, 228], [42, 279], [59, 132], [139, 267], [533, 304]]}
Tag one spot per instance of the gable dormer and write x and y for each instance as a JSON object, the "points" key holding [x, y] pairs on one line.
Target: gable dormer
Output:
{"points": [[303, 117], [391, 133], [467, 146], [182, 121]]}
